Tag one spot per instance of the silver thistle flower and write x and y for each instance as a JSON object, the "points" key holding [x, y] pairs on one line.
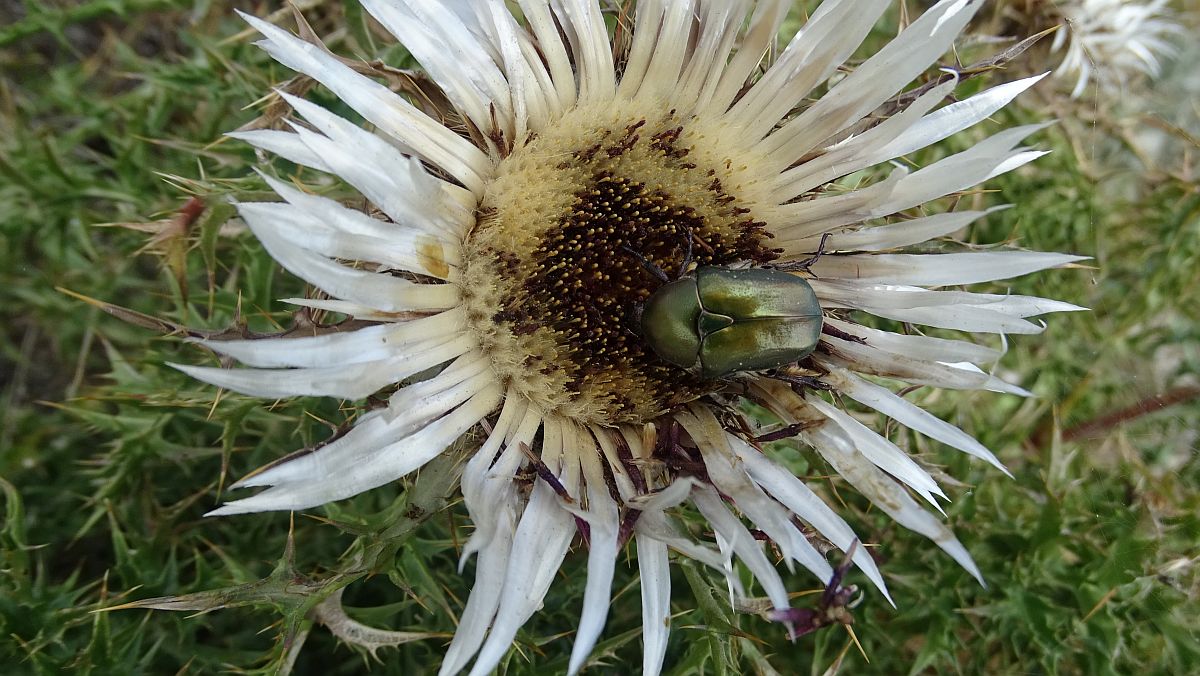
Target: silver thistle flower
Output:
{"points": [[1112, 42], [524, 233]]}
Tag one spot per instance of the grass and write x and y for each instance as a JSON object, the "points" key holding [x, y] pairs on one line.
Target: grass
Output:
{"points": [[110, 120]]}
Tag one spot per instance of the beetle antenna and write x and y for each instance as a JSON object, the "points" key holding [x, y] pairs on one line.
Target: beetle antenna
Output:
{"points": [[648, 264]]}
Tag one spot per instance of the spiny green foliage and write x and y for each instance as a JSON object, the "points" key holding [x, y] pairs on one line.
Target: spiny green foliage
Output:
{"points": [[111, 113]]}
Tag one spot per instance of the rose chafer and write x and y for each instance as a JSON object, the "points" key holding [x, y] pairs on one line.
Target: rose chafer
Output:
{"points": [[717, 321]]}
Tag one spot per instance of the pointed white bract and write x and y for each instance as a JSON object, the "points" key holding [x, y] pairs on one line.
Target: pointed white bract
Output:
{"points": [[399, 266], [603, 519]]}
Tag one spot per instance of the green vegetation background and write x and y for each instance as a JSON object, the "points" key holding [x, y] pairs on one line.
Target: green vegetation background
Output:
{"points": [[111, 115]]}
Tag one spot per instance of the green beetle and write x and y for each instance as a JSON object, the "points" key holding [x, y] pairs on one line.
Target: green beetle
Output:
{"points": [[717, 321]]}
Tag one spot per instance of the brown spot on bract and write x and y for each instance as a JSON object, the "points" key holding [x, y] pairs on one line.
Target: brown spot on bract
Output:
{"points": [[433, 257]]}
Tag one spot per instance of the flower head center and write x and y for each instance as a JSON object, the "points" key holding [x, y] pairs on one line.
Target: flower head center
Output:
{"points": [[572, 234]]}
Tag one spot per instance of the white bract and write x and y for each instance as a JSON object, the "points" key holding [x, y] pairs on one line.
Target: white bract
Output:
{"points": [[506, 246]]}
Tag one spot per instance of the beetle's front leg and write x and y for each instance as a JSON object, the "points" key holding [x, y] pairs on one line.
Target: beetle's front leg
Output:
{"points": [[810, 382], [806, 264], [648, 265], [785, 432]]}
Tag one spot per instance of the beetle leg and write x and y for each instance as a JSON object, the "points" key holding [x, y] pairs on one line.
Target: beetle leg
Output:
{"points": [[687, 259], [648, 264], [838, 333], [806, 264], [810, 382], [784, 432]]}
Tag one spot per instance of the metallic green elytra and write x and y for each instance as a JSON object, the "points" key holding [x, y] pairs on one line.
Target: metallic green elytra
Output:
{"points": [[717, 321]]}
